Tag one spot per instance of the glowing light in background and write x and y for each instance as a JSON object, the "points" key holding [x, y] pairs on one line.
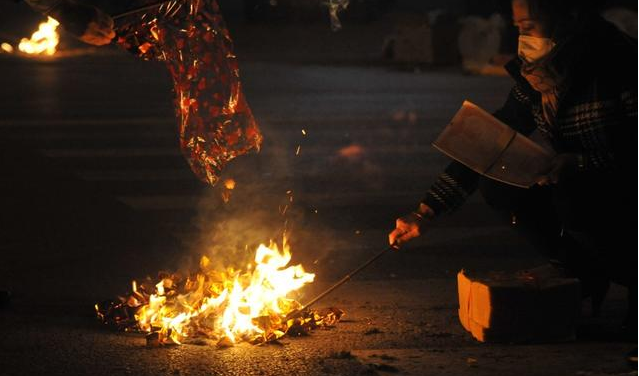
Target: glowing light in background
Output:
{"points": [[6, 47]]}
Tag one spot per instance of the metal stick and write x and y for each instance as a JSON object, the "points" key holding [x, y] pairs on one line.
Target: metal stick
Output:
{"points": [[141, 9], [339, 283]]}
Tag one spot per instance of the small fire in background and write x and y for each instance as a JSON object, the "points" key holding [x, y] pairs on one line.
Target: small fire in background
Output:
{"points": [[227, 306], [44, 41]]}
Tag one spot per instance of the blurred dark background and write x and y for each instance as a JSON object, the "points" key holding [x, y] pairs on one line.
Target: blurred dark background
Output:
{"points": [[297, 29]]}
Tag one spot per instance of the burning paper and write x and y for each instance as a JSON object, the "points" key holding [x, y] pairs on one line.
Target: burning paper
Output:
{"points": [[215, 121], [227, 306]]}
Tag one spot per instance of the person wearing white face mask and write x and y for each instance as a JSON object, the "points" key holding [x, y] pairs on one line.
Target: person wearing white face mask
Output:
{"points": [[532, 49], [575, 88]]}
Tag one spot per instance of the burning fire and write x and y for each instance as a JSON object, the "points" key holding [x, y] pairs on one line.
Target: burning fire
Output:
{"points": [[43, 41], [229, 306]]}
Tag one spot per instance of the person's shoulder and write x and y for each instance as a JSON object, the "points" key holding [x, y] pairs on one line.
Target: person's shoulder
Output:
{"points": [[613, 55], [614, 46]]}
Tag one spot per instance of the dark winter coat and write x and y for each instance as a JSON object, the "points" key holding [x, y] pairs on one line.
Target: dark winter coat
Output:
{"points": [[596, 117]]}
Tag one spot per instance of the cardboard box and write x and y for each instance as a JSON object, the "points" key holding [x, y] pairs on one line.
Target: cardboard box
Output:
{"points": [[519, 307]]}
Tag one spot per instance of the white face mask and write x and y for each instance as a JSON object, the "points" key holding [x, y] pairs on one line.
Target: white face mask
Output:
{"points": [[532, 49]]}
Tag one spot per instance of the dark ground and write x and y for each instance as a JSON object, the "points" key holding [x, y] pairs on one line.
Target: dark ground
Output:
{"points": [[95, 193]]}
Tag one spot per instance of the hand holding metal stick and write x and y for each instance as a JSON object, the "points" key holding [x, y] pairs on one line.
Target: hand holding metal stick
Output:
{"points": [[299, 311]]}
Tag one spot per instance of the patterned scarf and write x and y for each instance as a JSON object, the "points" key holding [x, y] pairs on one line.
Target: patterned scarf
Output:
{"points": [[546, 79]]}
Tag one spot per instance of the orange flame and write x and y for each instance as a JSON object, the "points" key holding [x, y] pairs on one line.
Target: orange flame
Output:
{"points": [[233, 306], [44, 41]]}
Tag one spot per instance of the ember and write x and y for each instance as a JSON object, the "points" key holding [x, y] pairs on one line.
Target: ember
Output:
{"points": [[227, 190], [6, 47], [227, 306], [216, 123]]}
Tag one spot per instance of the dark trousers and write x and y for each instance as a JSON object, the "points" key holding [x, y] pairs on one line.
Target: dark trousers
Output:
{"points": [[581, 222]]}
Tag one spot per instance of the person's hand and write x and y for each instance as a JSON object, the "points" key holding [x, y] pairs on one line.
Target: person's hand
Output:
{"points": [[100, 31], [88, 23], [409, 226], [560, 164]]}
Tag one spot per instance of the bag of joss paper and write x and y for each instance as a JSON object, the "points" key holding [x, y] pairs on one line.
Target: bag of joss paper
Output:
{"points": [[215, 122]]}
